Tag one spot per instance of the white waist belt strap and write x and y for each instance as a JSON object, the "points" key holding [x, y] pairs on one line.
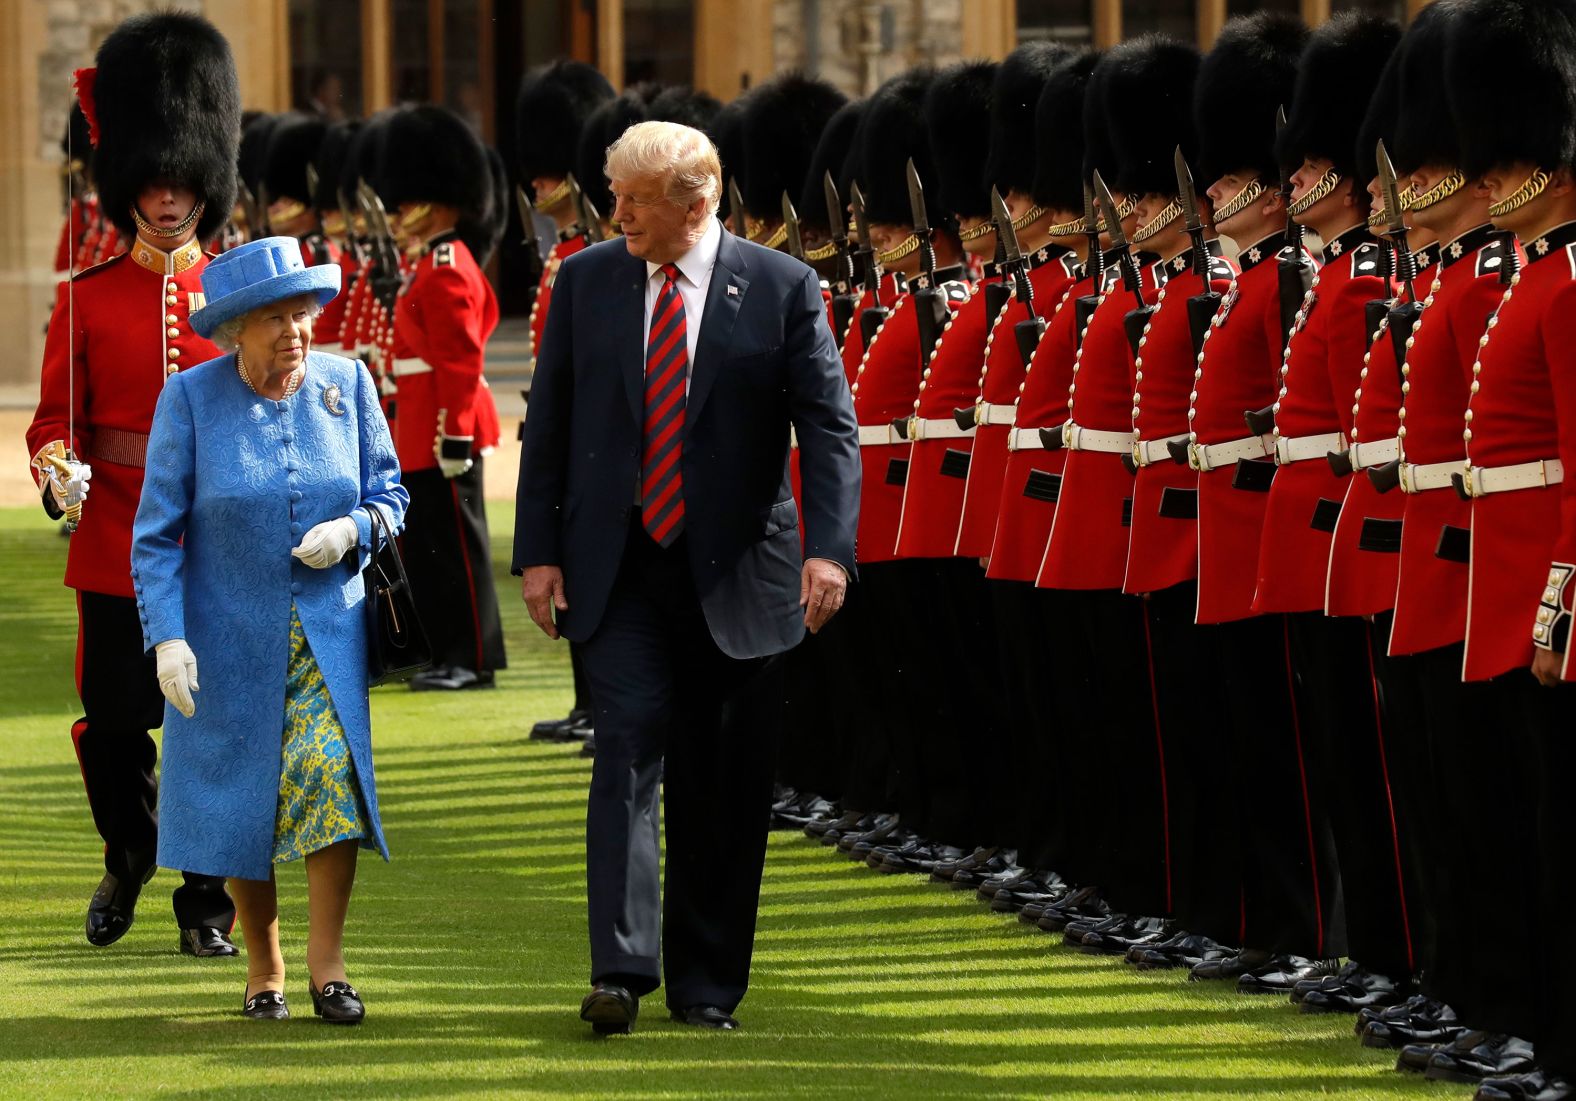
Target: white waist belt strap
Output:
{"points": [[986, 413], [1483, 480], [873, 435], [1149, 452], [937, 428], [1422, 477], [1213, 456], [1078, 438], [1027, 439], [1299, 449], [410, 366], [1375, 453]]}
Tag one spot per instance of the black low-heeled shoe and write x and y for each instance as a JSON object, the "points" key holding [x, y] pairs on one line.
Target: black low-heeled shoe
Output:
{"points": [[266, 1005], [337, 1003]]}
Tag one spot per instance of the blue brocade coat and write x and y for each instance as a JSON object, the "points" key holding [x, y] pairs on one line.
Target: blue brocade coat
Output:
{"points": [[233, 481]]}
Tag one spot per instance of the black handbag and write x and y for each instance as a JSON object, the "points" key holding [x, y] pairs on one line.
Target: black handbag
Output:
{"points": [[397, 644]]}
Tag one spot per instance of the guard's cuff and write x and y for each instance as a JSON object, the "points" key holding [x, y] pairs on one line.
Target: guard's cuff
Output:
{"points": [[1553, 628], [454, 447]]}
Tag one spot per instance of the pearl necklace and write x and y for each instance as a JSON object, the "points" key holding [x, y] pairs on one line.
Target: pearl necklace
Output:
{"points": [[292, 384]]}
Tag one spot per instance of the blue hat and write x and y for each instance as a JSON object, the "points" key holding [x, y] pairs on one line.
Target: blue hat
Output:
{"points": [[255, 274]]}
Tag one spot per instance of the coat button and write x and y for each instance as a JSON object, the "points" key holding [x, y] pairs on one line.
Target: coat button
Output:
{"points": [[295, 586], [170, 300], [172, 331], [174, 353], [295, 495], [295, 529], [287, 438], [172, 368]]}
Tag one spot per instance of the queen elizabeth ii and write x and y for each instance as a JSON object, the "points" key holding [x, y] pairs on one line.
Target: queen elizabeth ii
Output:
{"points": [[264, 466]]}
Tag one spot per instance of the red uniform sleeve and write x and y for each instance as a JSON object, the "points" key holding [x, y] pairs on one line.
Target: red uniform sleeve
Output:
{"points": [[451, 312]]}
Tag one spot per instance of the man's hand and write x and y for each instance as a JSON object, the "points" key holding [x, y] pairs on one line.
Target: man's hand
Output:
{"points": [[822, 586], [542, 589], [1546, 666]]}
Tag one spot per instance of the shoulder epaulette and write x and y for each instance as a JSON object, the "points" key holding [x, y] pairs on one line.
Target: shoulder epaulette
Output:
{"points": [[443, 255], [1491, 257], [956, 290], [100, 266], [1221, 268], [1365, 259]]}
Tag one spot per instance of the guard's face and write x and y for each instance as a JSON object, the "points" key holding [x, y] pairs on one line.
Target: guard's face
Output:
{"points": [[983, 245], [655, 229], [166, 203]]}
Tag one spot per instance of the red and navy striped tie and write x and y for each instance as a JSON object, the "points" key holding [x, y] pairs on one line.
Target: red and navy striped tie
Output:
{"points": [[667, 368]]}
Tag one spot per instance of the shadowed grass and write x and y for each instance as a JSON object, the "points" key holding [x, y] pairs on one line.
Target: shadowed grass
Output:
{"points": [[470, 946]]}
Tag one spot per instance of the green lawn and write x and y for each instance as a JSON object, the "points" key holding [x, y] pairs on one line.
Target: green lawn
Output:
{"points": [[470, 948]]}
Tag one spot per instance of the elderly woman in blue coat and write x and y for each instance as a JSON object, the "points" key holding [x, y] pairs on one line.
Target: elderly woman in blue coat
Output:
{"points": [[264, 467]]}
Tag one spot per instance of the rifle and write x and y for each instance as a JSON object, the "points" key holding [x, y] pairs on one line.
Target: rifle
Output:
{"points": [[529, 239], [1201, 308], [1295, 270], [791, 226], [844, 298], [1137, 319], [930, 305], [1028, 331], [874, 316]]}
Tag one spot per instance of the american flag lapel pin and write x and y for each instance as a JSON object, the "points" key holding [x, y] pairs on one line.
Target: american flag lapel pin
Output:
{"points": [[733, 290]]}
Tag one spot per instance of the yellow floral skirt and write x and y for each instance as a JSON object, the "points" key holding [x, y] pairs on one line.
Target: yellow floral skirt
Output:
{"points": [[319, 798]]}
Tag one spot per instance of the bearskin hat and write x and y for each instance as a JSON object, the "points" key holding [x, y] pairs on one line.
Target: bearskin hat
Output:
{"points": [[165, 104], [1424, 133], [831, 155], [1242, 82], [292, 145], [1059, 133], [429, 154], [1149, 112], [76, 144], [1099, 155], [1510, 71], [482, 234], [329, 160], [252, 153], [551, 109], [1336, 77], [957, 115], [1015, 94], [605, 126], [364, 155], [892, 131], [686, 106], [727, 134], [1384, 110], [783, 121]]}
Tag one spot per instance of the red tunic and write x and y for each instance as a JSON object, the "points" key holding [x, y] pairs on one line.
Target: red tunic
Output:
{"points": [[884, 388], [318, 249], [1239, 370], [1513, 421], [561, 251], [1324, 359], [1088, 544], [1054, 270], [1163, 538], [443, 318], [1431, 593], [126, 331]]}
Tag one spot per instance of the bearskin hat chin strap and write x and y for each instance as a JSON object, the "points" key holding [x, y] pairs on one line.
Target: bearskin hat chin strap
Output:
{"points": [[180, 229], [1530, 189], [1318, 192]]}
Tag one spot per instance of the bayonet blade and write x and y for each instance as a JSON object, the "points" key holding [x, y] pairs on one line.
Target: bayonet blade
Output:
{"points": [[791, 224], [311, 184], [836, 216], [1280, 132], [1113, 221], [1091, 219], [1395, 223], [916, 201], [736, 208], [527, 218], [1185, 191], [861, 226], [1004, 231]]}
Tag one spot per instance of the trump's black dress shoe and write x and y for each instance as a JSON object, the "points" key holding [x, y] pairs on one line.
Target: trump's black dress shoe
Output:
{"points": [[206, 942], [337, 1003], [451, 678], [1476, 1055], [1282, 972], [558, 730], [266, 1005], [1351, 990], [114, 905], [705, 1016], [588, 747], [1535, 1085], [610, 1009]]}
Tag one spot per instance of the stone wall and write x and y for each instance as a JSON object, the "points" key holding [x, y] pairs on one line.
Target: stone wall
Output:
{"points": [[857, 44]]}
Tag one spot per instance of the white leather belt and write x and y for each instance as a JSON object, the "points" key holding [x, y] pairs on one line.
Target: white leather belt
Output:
{"points": [[1213, 456], [1299, 449], [1422, 477], [1148, 452], [1027, 439], [1480, 481], [1375, 453], [410, 366], [937, 428], [1077, 438], [873, 435], [986, 413]]}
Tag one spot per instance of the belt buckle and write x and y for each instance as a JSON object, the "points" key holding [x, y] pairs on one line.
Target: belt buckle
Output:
{"points": [[915, 432], [1068, 428], [1195, 458], [1543, 473], [1280, 459], [1138, 453], [979, 413], [1466, 480]]}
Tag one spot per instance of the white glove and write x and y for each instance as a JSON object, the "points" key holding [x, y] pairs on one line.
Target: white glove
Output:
{"points": [[177, 674], [327, 543], [67, 482], [453, 468]]}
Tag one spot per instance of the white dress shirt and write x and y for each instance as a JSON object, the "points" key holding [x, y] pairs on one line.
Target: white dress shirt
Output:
{"points": [[694, 281]]}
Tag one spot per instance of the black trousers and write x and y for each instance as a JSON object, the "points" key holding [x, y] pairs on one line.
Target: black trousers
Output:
{"points": [[674, 713], [1549, 718], [119, 686], [818, 710], [449, 561], [894, 661], [577, 668]]}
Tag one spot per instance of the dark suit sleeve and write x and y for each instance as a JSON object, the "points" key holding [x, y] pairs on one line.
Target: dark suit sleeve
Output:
{"points": [[823, 418], [544, 448]]}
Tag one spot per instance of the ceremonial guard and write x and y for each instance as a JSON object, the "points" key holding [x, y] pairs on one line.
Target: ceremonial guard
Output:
{"points": [[164, 108], [810, 202], [337, 224], [436, 174]]}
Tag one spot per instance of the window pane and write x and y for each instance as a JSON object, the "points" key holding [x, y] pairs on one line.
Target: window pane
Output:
{"points": [[1172, 17], [1248, 7], [325, 58], [1395, 9], [659, 41], [412, 65], [462, 65], [1068, 21]]}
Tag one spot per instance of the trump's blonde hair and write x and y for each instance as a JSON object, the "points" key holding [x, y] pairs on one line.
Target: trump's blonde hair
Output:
{"points": [[681, 156]]}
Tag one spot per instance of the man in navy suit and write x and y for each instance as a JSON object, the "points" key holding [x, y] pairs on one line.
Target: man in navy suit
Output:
{"points": [[656, 527]]}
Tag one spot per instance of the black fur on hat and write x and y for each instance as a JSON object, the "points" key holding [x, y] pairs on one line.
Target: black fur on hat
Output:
{"points": [[605, 126], [364, 156], [1059, 133], [166, 105], [1243, 80], [429, 154], [292, 145], [727, 134], [1149, 112], [832, 154], [1015, 93], [481, 234], [891, 131], [1384, 109], [252, 153], [783, 122], [1099, 155], [1336, 77], [1424, 133], [551, 109], [329, 161], [686, 106], [957, 115], [1510, 72]]}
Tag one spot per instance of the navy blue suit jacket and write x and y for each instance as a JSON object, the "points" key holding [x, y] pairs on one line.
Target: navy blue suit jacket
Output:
{"points": [[764, 360]]}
